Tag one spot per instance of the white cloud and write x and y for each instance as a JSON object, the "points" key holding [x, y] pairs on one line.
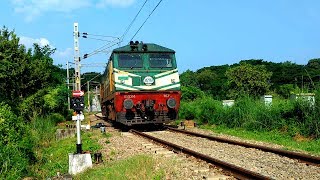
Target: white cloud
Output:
{"points": [[61, 57], [65, 53], [34, 8], [28, 41]]}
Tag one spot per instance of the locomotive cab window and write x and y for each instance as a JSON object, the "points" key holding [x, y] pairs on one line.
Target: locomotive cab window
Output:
{"points": [[160, 61], [130, 61]]}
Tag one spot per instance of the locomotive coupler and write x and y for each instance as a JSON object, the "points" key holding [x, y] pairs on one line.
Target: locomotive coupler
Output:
{"points": [[140, 111]]}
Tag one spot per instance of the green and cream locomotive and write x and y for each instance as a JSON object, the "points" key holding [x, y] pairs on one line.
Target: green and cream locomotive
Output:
{"points": [[141, 85]]}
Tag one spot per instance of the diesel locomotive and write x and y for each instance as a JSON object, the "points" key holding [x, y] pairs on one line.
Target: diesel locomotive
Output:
{"points": [[141, 85]]}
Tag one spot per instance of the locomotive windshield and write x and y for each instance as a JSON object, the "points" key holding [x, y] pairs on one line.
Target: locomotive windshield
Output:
{"points": [[160, 61], [130, 61]]}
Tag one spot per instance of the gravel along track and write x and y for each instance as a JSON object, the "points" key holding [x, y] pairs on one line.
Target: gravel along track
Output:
{"points": [[265, 163], [123, 145]]}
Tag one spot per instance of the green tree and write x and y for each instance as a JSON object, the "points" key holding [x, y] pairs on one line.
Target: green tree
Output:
{"points": [[286, 90], [248, 79], [205, 80], [190, 93], [23, 72], [93, 77], [188, 78]]}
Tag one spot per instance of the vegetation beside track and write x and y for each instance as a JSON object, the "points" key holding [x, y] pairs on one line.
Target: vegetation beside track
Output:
{"points": [[137, 167], [290, 143], [53, 157], [32, 102], [287, 122]]}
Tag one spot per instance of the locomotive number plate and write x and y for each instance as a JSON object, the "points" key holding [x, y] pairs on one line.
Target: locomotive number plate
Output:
{"points": [[129, 96]]}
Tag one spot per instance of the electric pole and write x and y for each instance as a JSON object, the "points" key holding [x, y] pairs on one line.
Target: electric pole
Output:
{"points": [[88, 85], [68, 84], [76, 35]]}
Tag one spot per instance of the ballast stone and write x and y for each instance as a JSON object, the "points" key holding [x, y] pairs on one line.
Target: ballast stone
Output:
{"points": [[79, 163]]}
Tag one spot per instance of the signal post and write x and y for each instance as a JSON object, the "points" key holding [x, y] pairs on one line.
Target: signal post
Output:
{"points": [[78, 161]]}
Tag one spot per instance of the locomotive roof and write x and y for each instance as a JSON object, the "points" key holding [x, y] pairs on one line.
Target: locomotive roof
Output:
{"points": [[150, 46]]}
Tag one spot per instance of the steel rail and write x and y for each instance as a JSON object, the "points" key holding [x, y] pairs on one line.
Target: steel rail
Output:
{"points": [[300, 156], [236, 171]]}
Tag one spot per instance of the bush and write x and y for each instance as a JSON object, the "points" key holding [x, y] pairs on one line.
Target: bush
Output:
{"points": [[45, 102], [15, 145], [190, 93], [291, 117]]}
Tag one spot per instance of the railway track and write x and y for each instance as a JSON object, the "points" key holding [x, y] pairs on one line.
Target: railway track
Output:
{"points": [[241, 162], [305, 158], [263, 163], [236, 171]]}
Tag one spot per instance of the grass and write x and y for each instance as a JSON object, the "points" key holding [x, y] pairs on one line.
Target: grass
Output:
{"points": [[54, 158], [276, 137], [137, 167]]}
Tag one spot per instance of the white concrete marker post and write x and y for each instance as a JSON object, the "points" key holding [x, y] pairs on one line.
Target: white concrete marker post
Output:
{"points": [[79, 145], [79, 162]]}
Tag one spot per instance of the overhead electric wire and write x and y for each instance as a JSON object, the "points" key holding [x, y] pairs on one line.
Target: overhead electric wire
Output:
{"points": [[91, 79], [134, 19], [101, 35], [97, 39], [102, 50], [104, 47], [146, 19]]}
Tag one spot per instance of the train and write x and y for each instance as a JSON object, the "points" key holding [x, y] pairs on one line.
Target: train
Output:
{"points": [[141, 85]]}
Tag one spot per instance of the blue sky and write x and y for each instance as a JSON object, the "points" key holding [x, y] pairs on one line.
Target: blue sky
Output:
{"points": [[203, 33]]}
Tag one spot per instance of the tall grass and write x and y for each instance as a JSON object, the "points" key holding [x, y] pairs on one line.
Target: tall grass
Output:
{"points": [[288, 116], [138, 167]]}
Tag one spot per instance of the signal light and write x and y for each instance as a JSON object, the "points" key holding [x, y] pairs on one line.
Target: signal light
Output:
{"points": [[77, 103]]}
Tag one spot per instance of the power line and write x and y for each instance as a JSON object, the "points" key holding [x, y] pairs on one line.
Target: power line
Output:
{"points": [[105, 47], [92, 79], [102, 48], [86, 37], [100, 35], [146, 19], [128, 28]]}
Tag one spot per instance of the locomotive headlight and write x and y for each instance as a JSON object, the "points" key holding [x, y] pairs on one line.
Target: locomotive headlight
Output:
{"points": [[171, 103], [128, 103]]}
